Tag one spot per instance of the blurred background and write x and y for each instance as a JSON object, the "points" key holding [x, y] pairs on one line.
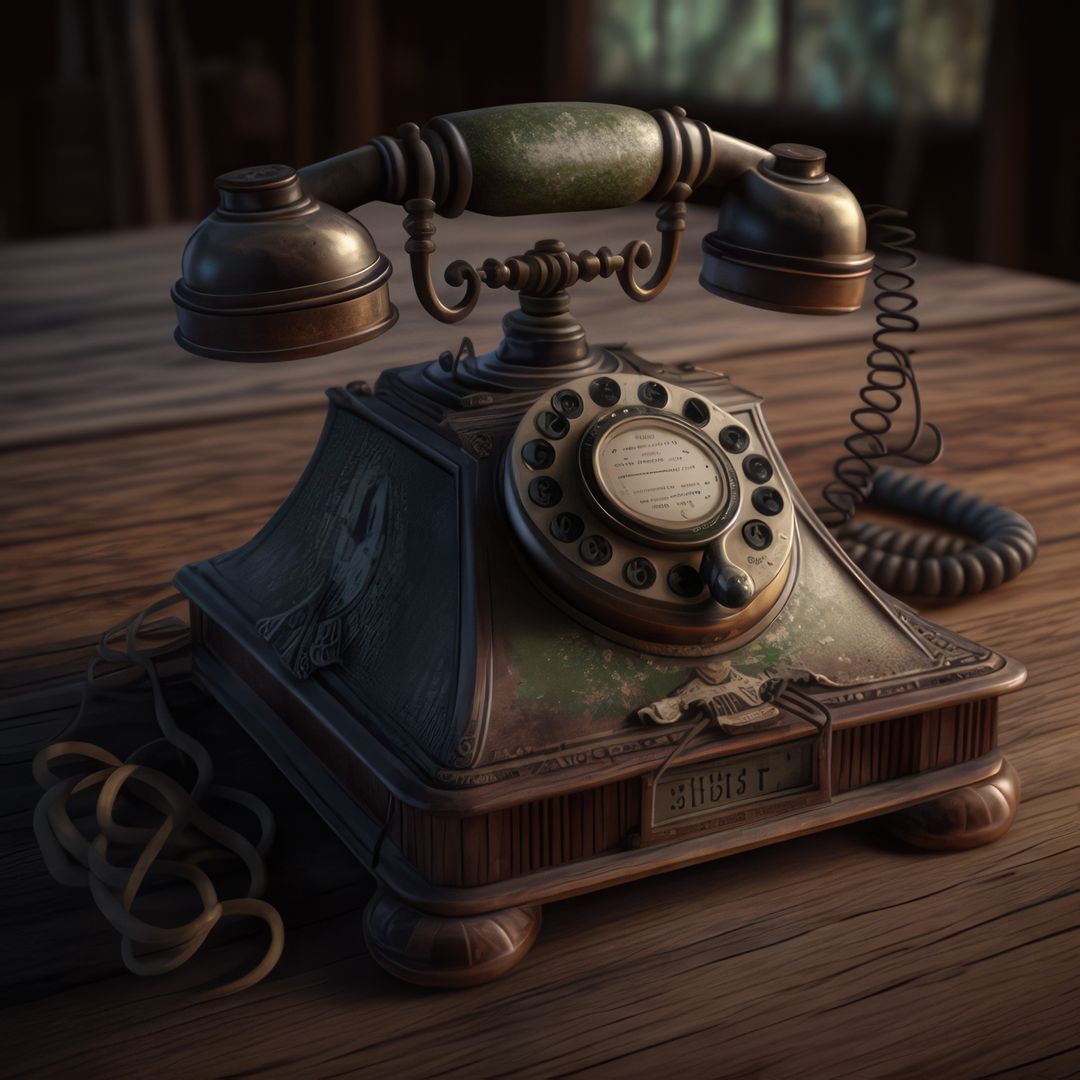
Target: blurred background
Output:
{"points": [[119, 113]]}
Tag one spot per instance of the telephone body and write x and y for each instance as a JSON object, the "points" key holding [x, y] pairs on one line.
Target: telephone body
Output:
{"points": [[552, 619]]}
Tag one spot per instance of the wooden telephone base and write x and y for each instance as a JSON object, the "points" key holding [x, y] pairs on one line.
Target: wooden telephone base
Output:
{"points": [[484, 749]]}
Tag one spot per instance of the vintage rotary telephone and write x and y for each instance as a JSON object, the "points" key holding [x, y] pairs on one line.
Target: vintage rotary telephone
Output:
{"points": [[280, 272], [554, 617]]}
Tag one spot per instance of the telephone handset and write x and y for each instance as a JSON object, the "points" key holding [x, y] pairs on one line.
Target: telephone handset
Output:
{"points": [[649, 507]]}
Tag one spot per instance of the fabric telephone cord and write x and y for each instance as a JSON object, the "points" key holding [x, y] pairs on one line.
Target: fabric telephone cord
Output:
{"points": [[996, 544], [179, 835]]}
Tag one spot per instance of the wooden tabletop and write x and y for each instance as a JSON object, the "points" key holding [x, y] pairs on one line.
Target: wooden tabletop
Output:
{"points": [[837, 955]]}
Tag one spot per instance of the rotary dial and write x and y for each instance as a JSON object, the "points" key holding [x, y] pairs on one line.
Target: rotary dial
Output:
{"points": [[638, 497]]}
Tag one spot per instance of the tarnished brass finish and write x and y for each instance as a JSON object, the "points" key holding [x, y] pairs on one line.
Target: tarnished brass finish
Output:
{"points": [[790, 237], [289, 331], [272, 274], [305, 279], [655, 616], [828, 286], [490, 741]]}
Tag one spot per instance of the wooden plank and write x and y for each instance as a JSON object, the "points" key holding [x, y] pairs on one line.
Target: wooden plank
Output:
{"points": [[941, 948], [311, 981]]}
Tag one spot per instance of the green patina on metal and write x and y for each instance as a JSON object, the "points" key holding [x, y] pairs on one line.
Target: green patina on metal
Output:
{"points": [[787, 638], [828, 627], [547, 156], [574, 670], [766, 656]]}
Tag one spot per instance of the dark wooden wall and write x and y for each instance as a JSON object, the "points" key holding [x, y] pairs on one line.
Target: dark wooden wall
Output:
{"points": [[120, 112]]}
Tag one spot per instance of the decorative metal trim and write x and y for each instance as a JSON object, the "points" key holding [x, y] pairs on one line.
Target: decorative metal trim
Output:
{"points": [[546, 269]]}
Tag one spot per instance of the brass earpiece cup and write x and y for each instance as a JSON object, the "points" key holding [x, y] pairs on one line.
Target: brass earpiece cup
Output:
{"points": [[820, 307], [271, 333], [297, 352], [792, 288]]}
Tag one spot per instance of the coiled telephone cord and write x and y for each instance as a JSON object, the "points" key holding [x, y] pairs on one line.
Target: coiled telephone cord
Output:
{"points": [[998, 543], [174, 846]]}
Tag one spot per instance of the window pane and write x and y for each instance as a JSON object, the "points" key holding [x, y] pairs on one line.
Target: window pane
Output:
{"points": [[914, 57], [843, 53], [943, 50], [722, 49]]}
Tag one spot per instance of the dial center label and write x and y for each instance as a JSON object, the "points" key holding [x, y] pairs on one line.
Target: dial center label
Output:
{"points": [[660, 475]]}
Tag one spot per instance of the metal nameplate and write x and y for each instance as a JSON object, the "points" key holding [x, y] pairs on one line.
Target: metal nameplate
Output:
{"points": [[733, 790]]}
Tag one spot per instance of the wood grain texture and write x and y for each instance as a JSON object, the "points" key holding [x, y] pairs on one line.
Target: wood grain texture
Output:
{"points": [[86, 324], [906, 744], [448, 953], [520, 839], [837, 955], [967, 818]]}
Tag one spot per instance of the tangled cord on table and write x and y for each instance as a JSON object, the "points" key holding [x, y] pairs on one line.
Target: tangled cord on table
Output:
{"points": [[175, 845], [912, 561]]}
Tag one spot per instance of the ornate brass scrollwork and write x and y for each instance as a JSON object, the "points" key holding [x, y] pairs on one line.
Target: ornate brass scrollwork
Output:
{"points": [[420, 225], [670, 223], [543, 270], [548, 268]]}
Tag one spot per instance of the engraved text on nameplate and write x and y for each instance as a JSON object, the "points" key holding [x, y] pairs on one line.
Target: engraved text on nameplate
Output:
{"points": [[702, 790]]}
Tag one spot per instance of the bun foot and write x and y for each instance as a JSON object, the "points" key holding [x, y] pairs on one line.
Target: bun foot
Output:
{"points": [[433, 950], [966, 818]]}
